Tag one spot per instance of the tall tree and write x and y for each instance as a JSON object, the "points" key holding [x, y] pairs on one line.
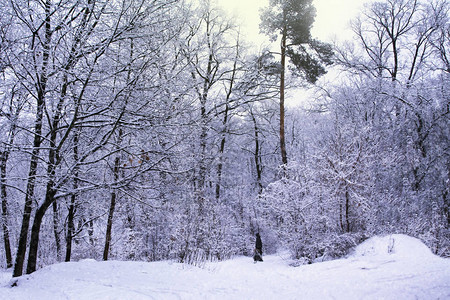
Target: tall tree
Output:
{"points": [[39, 44], [291, 22], [16, 102], [9, 114]]}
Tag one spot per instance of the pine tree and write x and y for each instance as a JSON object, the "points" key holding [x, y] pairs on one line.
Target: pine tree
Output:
{"points": [[291, 20]]}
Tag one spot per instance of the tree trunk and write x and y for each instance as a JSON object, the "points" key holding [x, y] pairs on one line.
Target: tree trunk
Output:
{"points": [[36, 228], [112, 205], [347, 210], [203, 135], [112, 208], [21, 247], [257, 156], [220, 166], [282, 75], [4, 155], [221, 151], [4, 158], [71, 215], [53, 160], [109, 225], [56, 230], [70, 227], [225, 122]]}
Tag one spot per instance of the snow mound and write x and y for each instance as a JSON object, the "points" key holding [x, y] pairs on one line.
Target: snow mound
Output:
{"points": [[399, 245]]}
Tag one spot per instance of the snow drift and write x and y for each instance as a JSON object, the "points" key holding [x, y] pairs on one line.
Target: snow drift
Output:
{"points": [[395, 245], [390, 267]]}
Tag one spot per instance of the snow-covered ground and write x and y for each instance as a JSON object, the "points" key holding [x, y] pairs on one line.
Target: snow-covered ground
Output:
{"points": [[391, 267]]}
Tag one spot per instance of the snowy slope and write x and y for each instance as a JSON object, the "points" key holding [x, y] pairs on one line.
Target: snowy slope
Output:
{"points": [[392, 267]]}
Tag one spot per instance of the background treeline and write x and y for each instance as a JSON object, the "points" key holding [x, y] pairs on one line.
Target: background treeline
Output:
{"points": [[149, 130]]}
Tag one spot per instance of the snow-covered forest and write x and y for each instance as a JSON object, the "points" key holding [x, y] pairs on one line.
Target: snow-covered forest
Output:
{"points": [[152, 130]]}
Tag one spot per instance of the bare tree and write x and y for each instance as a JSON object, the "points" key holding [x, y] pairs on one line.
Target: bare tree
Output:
{"points": [[39, 73], [12, 116]]}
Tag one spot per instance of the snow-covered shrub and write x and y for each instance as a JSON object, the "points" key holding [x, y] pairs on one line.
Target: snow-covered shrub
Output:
{"points": [[336, 245], [305, 216], [211, 235], [321, 248]]}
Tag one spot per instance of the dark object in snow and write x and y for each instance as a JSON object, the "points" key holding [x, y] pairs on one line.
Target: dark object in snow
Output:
{"points": [[257, 255]]}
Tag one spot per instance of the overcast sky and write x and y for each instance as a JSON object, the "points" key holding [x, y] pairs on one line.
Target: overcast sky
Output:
{"points": [[331, 20]]}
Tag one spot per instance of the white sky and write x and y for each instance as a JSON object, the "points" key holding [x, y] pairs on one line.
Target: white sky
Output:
{"points": [[331, 23], [331, 19]]}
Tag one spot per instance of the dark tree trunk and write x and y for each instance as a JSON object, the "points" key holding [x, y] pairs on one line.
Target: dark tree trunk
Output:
{"points": [[112, 208], [220, 166], [112, 205], [70, 227], [71, 214], [4, 158], [225, 123], [36, 228], [257, 156], [282, 75], [21, 247], [56, 230], [221, 152], [347, 210], [53, 160]]}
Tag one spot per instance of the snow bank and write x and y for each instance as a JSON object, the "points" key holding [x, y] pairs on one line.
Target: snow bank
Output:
{"points": [[391, 267], [395, 245]]}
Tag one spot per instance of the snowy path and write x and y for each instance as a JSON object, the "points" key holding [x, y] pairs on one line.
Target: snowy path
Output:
{"points": [[420, 276]]}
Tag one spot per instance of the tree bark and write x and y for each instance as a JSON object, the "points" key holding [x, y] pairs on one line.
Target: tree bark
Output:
{"points": [[257, 156], [71, 214], [112, 207], [4, 158], [282, 87], [56, 230], [70, 227], [36, 228], [347, 210], [220, 165]]}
